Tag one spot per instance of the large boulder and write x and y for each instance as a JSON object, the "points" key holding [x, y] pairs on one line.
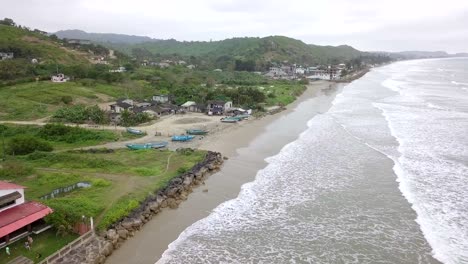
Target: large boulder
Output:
{"points": [[172, 203], [137, 223], [154, 206], [127, 224], [172, 191], [123, 233], [188, 181], [107, 249]]}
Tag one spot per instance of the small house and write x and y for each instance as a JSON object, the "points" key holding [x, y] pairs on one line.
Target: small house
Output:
{"points": [[78, 41], [300, 71], [163, 65], [161, 98], [59, 78], [19, 218], [218, 107], [191, 67], [121, 105], [217, 70], [120, 69], [191, 106]]}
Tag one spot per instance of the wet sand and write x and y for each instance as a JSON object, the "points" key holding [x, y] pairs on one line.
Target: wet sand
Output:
{"points": [[246, 144]]}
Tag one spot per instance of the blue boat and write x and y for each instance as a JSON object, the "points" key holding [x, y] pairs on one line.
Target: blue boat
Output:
{"points": [[135, 131], [230, 119], [242, 117], [183, 138], [151, 145]]}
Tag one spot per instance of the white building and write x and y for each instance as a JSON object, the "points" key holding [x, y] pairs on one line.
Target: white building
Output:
{"points": [[120, 69], [300, 71], [161, 98], [59, 78]]}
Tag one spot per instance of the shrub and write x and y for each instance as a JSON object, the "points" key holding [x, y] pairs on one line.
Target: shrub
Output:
{"points": [[62, 133], [73, 114], [122, 208], [182, 170], [25, 144], [132, 119], [66, 99], [80, 114], [13, 168], [68, 210]]}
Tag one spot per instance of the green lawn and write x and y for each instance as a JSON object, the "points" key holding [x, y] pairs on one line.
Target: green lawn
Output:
{"points": [[71, 138], [119, 180], [45, 243], [282, 93], [30, 101]]}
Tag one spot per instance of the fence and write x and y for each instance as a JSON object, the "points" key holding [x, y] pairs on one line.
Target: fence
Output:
{"points": [[63, 251]]}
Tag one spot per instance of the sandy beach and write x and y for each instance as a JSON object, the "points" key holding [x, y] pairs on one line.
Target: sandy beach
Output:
{"points": [[246, 144]]}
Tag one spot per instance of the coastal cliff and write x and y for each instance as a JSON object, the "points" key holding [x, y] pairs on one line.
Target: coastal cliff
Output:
{"points": [[96, 249]]}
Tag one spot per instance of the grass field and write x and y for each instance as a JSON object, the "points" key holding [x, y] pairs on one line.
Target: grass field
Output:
{"points": [[282, 94], [36, 100], [119, 180], [45, 243], [72, 138]]}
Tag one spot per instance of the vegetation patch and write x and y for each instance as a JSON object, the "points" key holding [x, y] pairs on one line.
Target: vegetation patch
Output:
{"points": [[59, 136], [119, 180]]}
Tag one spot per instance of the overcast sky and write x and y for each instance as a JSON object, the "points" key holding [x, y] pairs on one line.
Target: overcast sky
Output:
{"points": [[369, 25]]}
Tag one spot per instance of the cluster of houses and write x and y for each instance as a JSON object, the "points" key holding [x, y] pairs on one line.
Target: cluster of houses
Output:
{"points": [[167, 63], [161, 105], [6, 55], [19, 218], [292, 72]]}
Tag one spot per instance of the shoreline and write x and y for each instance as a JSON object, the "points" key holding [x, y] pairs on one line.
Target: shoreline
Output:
{"points": [[148, 245]]}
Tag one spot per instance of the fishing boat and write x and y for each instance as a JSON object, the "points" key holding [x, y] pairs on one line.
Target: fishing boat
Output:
{"points": [[242, 117], [231, 119], [151, 145], [135, 131], [197, 132], [182, 138]]}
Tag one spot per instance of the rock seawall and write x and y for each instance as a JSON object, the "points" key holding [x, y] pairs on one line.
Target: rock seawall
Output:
{"points": [[171, 196]]}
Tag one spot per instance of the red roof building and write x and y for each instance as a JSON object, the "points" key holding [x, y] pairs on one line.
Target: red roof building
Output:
{"points": [[17, 217]]}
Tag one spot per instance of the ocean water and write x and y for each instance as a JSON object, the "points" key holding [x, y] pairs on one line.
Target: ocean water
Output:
{"points": [[381, 177]]}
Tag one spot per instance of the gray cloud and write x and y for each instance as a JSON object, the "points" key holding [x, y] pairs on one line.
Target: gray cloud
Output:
{"points": [[366, 24]]}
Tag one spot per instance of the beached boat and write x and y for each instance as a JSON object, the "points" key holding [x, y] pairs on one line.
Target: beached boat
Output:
{"points": [[230, 119], [135, 131], [197, 132], [182, 138], [151, 145], [242, 117]]}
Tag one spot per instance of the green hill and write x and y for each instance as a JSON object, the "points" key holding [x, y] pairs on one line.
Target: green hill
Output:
{"points": [[26, 44], [268, 49]]}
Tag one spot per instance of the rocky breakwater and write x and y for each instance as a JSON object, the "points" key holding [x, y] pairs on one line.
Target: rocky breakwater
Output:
{"points": [[171, 196]]}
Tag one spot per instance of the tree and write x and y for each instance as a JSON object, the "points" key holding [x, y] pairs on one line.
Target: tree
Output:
{"points": [[8, 22], [25, 144]]}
